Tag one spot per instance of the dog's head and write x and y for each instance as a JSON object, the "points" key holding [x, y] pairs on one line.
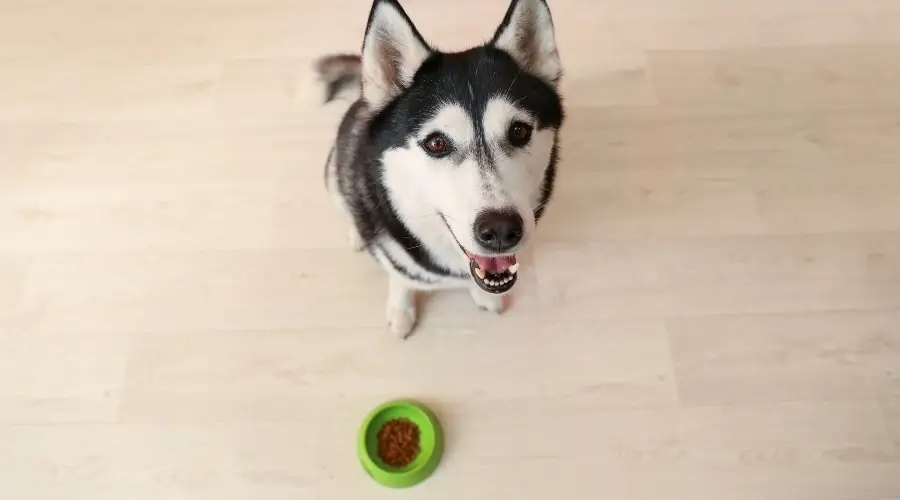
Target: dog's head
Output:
{"points": [[469, 137]]}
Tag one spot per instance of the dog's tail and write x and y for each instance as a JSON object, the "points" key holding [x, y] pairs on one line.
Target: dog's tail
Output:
{"points": [[339, 72]]}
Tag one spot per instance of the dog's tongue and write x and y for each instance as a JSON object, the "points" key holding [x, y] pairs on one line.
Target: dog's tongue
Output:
{"points": [[494, 265]]}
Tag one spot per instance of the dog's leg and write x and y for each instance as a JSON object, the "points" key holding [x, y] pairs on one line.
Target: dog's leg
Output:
{"points": [[401, 307], [492, 302]]}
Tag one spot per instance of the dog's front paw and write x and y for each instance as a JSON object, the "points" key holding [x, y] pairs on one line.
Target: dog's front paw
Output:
{"points": [[401, 322], [491, 302]]}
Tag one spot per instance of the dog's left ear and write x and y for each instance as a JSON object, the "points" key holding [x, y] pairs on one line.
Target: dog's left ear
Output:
{"points": [[526, 34], [393, 50]]}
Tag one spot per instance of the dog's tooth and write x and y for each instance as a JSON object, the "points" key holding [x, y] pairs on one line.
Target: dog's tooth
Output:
{"points": [[480, 272], [513, 268]]}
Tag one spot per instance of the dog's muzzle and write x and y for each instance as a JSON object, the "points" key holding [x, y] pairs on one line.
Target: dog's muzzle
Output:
{"points": [[491, 274]]}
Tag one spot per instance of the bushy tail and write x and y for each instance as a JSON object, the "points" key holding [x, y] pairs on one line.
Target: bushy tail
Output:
{"points": [[339, 72]]}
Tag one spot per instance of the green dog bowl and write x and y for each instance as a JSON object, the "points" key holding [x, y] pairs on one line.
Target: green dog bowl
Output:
{"points": [[431, 444]]}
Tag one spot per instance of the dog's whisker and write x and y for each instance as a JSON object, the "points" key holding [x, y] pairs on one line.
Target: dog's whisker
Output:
{"points": [[513, 82]]}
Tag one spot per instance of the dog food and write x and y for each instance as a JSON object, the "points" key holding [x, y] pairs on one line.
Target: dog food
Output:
{"points": [[398, 442]]}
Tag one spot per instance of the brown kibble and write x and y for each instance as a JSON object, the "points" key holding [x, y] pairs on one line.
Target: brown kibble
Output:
{"points": [[398, 442]]}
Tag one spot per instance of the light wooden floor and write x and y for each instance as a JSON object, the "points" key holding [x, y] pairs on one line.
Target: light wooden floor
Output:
{"points": [[712, 310]]}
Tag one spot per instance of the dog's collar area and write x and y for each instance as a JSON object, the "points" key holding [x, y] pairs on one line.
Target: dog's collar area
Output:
{"points": [[494, 282]]}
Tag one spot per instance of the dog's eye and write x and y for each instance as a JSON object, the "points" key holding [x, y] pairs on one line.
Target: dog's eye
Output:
{"points": [[436, 144], [519, 134]]}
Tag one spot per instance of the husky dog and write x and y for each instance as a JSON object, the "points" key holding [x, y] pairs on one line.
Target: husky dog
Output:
{"points": [[446, 161]]}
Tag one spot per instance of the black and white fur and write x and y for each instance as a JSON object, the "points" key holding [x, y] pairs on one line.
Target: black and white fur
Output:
{"points": [[416, 212]]}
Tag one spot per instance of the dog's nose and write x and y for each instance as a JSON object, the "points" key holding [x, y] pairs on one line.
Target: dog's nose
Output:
{"points": [[498, 230]]}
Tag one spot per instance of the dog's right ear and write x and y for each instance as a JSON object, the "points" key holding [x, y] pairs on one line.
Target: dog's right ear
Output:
{"points": [[393, 50], [526, 34]]}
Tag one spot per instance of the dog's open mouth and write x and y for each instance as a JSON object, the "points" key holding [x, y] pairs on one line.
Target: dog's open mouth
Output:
{"points": [[491, 274], [494, 274]]}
